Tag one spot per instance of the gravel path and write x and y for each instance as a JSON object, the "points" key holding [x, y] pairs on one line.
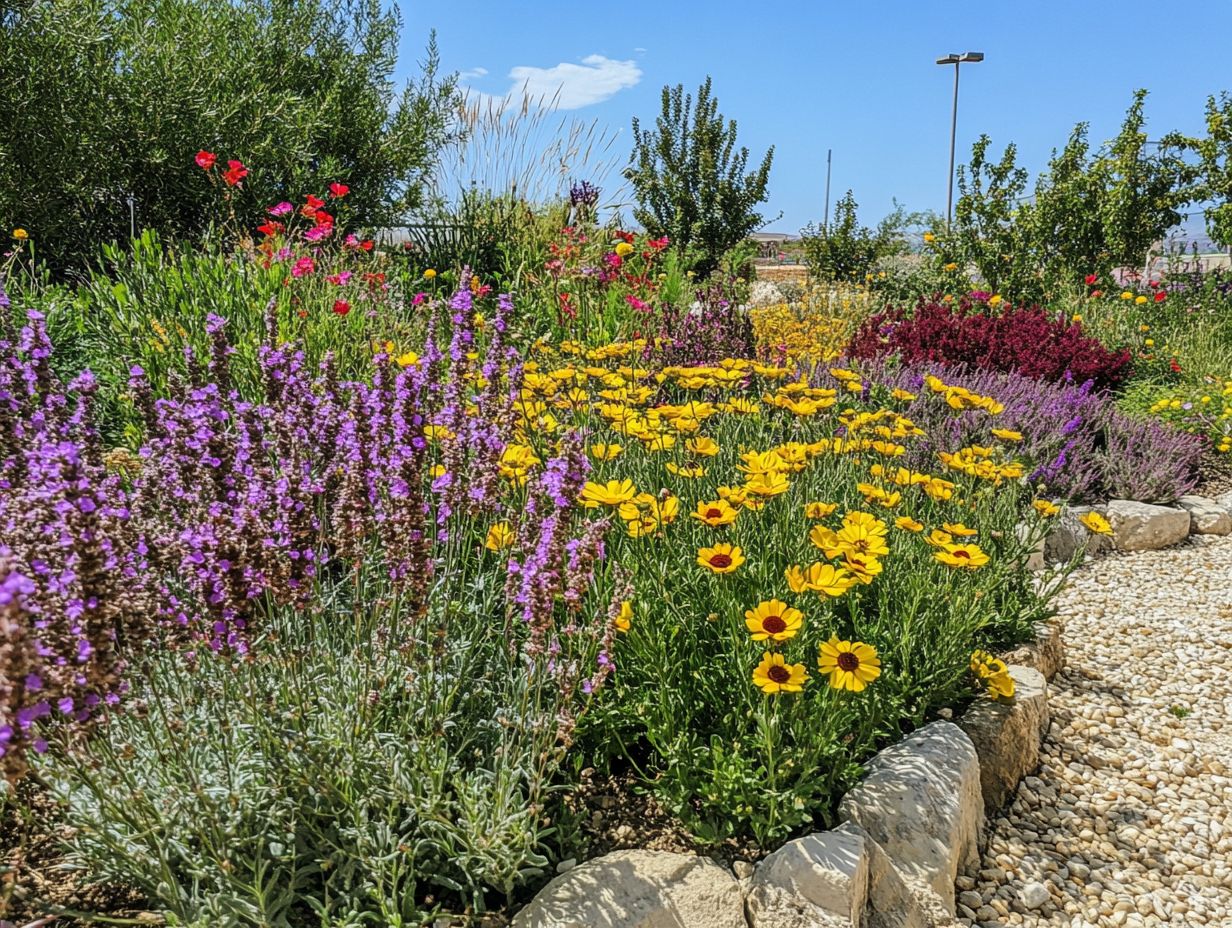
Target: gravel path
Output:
{"points": [[1129, 821]]}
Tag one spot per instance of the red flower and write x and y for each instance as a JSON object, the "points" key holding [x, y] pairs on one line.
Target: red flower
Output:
{"points": [[625, 237], [366, 244], [658, 243], [314, 203], [205, 159], [235, 173], [1154, 284], [342, 307], [322, 218], [1176, 368], [1161, 295], [339, 190], [1096, 294], [1091, 278], [270, 228]]}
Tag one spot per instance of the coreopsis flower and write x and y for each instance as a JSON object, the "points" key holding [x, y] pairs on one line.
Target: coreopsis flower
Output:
{"points": [[767, 484], [613, 493], [773, 620], [958, 529], [1096, 523], [938, 538], [605, 451], [968, 556], [1046, 509], [993, 674], [819, 510], [908, 524], [904, 395], [20, 234], [1007, 434], [775, 675], [624, 618], [706, 447], [205, 159], [820, 578], [849, 665], [718, 512], [500, 536], [721, 558], [863, 567], [689, 471]]}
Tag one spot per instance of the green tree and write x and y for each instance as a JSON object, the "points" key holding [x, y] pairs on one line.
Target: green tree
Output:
{"points": [[1214, 181], [104, 100], [1090, 211], [691, 182], [846, 250]]}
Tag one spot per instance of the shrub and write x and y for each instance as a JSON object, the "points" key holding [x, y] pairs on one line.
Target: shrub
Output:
{"points": [[107, 101], [1025, 340]]}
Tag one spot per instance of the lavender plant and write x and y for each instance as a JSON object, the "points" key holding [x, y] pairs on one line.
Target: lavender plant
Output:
{"points": [[1081, 446], [337, 699]]}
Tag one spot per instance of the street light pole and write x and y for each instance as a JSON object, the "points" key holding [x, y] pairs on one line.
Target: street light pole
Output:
{"points": [[956, 60]]}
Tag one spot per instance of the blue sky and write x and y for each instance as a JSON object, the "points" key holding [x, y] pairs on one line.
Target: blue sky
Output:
{"points": [[858, 78]]}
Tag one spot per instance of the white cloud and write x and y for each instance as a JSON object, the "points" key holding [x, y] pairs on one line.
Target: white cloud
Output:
{"points": [[570, 86], [472, 74]]}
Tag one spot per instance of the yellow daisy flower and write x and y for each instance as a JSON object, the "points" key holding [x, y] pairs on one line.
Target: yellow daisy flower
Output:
{"points": [[850, 665], [774, 620], [775, 675]]}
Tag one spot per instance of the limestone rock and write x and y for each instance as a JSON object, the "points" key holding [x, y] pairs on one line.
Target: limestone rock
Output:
{"points": [[1145, 527], [1068, 537], [827, 871], [771, 906], [920, 800], [892, 901], [1046, 653], [1034, 895], [1007, 735], [1206, 517], [638, 889]]}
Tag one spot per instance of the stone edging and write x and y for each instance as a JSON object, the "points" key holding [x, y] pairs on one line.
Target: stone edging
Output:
{"points": [[908, 827]]}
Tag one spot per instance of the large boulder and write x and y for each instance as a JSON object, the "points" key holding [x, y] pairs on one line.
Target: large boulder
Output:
{"points": [[1007, 734], [824, 876], [1146, 527], [1206, 516], [920, 800], [639, 889]]}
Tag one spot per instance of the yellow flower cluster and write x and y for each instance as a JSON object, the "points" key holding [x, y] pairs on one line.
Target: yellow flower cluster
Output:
{"points": [[1206, 409], [993, 674]]}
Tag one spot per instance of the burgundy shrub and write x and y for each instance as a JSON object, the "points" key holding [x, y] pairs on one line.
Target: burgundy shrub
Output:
{"points": [[1024, 340]]}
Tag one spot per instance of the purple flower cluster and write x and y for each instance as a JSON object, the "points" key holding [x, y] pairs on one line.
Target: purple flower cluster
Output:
{"points": [[236, 504], [1078, 444]]}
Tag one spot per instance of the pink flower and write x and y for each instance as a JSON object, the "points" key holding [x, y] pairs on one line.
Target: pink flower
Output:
{"points": [[340, 279], [637, 304], [205, 159], [304, 265], [419, 299], [316, 233], [281, 209]]}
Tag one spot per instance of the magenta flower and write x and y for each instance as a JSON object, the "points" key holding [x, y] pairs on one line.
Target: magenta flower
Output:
{"points": [[282, 209]]}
